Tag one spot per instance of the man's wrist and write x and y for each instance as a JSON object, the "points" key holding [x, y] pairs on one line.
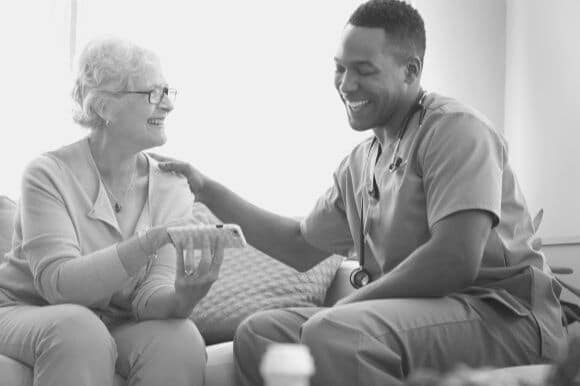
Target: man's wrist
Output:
{"points": [[204, 193]]}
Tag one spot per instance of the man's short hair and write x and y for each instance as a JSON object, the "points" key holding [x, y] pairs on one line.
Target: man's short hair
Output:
{"points": [[400, 21]]}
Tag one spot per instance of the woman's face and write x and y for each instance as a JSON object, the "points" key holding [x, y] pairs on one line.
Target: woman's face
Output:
{"points": [[136, 122]]}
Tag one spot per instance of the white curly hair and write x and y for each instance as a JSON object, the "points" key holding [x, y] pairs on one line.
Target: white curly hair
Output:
{"points": [[105, 66]]}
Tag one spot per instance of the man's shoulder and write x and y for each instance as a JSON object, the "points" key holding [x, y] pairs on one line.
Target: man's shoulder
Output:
{"points": [[444, 107]]}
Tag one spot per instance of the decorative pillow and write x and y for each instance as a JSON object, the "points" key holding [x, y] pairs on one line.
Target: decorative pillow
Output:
{"points": [[251, 281], [7, 212]]}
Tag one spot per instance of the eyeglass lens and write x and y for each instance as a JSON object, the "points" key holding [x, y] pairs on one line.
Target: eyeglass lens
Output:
{"points": [[157, 94]]}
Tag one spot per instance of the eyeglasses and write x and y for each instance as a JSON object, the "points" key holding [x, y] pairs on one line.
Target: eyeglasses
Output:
{"points": [[156, 95]]}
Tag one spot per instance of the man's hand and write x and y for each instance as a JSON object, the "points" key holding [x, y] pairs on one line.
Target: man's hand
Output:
{"points": [[195, 179]]}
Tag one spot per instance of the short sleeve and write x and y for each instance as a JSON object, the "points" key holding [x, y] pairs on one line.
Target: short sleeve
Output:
{"points": [[461, 160], [326, 226]]}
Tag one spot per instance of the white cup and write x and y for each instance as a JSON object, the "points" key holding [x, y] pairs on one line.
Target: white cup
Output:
{"points": [[287, 365]]}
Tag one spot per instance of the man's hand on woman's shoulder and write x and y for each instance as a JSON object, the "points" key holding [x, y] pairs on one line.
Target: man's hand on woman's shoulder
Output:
{"points": [[195, 179]]}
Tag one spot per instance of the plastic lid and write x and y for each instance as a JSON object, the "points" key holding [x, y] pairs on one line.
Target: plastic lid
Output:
{"points": [[285, 358]]}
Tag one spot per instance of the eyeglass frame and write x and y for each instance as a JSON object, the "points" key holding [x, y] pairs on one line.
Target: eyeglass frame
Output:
{"points": [[164, 91]]}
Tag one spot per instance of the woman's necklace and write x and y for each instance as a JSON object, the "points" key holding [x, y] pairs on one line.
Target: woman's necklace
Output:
{"points": [[118, 206]]}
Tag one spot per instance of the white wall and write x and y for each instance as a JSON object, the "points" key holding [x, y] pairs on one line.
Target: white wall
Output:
{"points": [[516, 61], [465, 55], [36, 113], [542, 109], [265, 84], [256, 106]]}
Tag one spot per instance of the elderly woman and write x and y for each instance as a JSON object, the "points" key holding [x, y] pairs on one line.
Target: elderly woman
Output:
{"points": [[93, 285]]}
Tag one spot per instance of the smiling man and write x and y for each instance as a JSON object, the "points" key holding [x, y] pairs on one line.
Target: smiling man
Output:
{"points": [[430, 205]]}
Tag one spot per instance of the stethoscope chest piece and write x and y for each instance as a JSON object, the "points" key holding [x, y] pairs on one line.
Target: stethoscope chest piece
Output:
{"points": [[359, 277]]}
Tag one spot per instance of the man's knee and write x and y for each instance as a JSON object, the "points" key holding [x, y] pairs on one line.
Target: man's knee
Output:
{"points": [[248, 335], [256, 327], [254, 335], [336, 338], [321, 333]]}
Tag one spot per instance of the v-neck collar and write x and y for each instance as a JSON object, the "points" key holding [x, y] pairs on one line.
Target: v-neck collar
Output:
{"points": [[102, 209]]}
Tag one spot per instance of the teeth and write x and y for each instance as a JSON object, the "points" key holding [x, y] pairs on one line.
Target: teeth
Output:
{"points": [[357, 105], [155, 121]]}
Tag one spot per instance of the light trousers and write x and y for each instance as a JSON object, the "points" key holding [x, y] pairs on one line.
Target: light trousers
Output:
{"points": [[380, 342], [68, 345]]}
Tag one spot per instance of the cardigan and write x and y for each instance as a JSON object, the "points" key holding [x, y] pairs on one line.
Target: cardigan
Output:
{"points": [[66, 232]]}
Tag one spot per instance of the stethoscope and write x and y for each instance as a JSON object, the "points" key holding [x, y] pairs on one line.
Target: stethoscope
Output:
{"points": [[360, 276]]}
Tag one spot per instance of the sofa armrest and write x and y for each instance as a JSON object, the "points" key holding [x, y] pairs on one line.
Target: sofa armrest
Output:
{"points": [[340, 286]]}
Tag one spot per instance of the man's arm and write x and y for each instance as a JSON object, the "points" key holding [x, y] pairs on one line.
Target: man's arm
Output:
{"points": [[448, 262], [277, 236]]}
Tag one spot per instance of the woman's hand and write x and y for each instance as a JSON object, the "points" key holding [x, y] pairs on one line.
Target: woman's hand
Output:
{"points": [[157, 237], [195, 179], [194, 279]]}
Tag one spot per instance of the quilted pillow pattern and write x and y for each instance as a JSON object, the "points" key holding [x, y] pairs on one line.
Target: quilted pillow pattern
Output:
{"points": [[7, 211], [251, 281]]}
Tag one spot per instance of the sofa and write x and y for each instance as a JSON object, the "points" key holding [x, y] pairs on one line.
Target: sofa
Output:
{"points": [[220, 369]]}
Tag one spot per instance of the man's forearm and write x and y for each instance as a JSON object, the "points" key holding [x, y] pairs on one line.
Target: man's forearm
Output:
{"points": [[275, 235], [427, 272], [447, 262]]}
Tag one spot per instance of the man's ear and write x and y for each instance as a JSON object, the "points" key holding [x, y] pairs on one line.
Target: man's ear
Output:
{"points": [[413, 69]]}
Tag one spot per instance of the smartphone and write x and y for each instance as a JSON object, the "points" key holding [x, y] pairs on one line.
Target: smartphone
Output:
{"points": [[230, 234]]}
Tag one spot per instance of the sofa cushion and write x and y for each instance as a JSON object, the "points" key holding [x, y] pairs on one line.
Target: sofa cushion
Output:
{"points": [[219, 370], [251, 281], [7, 212]]}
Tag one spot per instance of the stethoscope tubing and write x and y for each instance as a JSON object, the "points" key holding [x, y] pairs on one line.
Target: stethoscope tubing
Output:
{"points": [[360, 276]]}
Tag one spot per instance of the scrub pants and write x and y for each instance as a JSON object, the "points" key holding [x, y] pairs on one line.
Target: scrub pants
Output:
{"points": [[68, 345], [380, 342]]}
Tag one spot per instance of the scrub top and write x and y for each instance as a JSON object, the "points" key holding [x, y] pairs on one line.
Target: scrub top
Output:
{"points": [[455, 160]]}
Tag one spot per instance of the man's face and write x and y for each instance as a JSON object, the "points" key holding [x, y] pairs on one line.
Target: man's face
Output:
{"points": [[368, 77]]}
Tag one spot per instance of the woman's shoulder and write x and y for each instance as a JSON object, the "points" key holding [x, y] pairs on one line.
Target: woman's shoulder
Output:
{"points": [[43, 165], [163, 177], [170, 196], [55, 162], [55, 159]]}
